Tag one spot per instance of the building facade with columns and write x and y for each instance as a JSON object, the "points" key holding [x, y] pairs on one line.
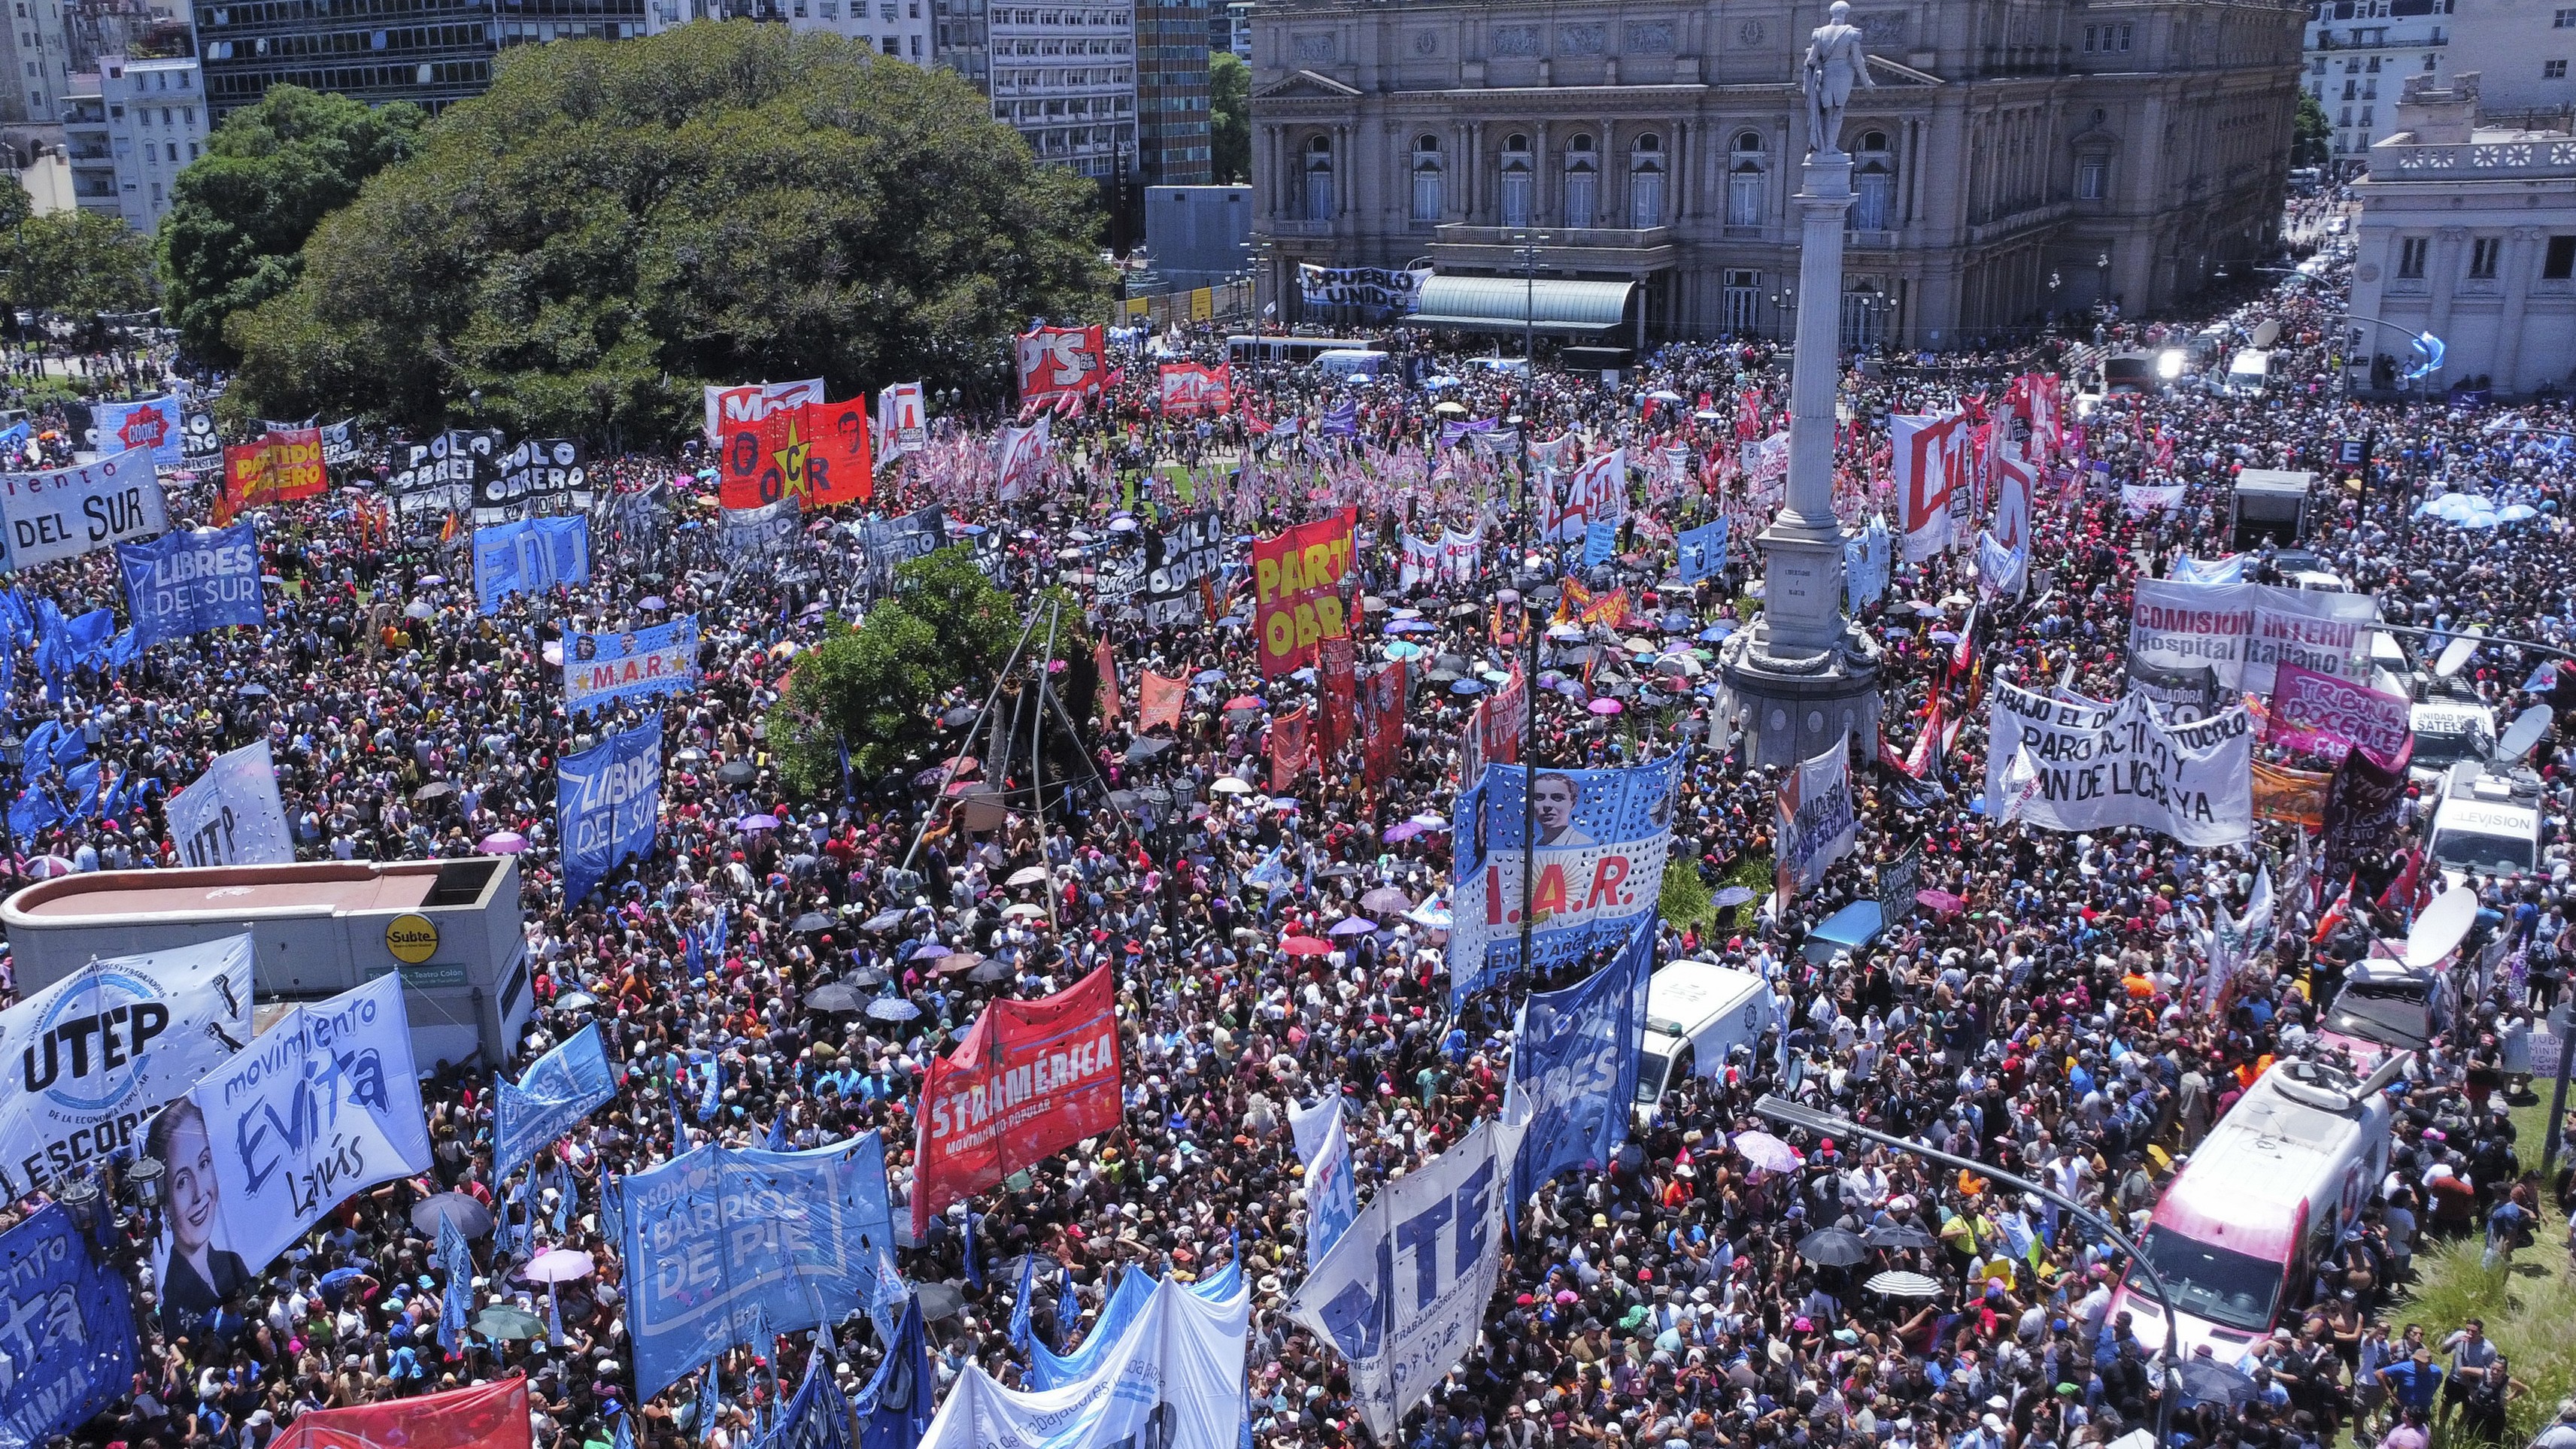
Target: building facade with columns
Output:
{"points": [[2467, 231], [2016, 157]]}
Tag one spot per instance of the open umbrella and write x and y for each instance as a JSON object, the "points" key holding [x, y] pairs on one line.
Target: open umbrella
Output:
{"points": [[1146, 748], [1352, 926], [832, 998], [501, 1321], [1897, 1283], [1305, 946], [1231, 785], [1024, 911], [866, 978], [1833, 1248], [938, 1301], [1386, 898], [1241, 702], [892, 1008], [810, 922], [1767, 1152], [757, 822], [1029, 875], [504, 842], [558, 1265], [1399, 833], [434, 790], [576, 1001], [472, 1218], [2207, 1381], [882, 921], [738, 772], [1734, 895], [956, 961], [929, 951], [1897, 1235], [987, 973]]}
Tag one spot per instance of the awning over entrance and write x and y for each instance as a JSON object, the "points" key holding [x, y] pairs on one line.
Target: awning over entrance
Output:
{"points": [[1506, 304]]}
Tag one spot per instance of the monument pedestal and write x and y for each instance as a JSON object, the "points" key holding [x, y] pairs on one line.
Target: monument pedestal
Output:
{"points": [[1803, 675]]}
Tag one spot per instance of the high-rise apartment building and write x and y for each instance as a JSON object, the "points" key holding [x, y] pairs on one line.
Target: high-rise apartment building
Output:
{"points": [[131, 129], [1062, 74], [35, 63], [2524, 53], [432, 52], [2357, 54], [1172, 92]]}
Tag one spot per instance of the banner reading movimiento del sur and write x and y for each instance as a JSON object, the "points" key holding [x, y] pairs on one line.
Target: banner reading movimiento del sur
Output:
{"points": [[66, 1330], [93, 1055], [723, 1240], [189, 582], [1602, 838], [321, 1105], [62, 514], [1031, 1079], [600, 669], [608, 805], [2102, 765], [1296, 581]]}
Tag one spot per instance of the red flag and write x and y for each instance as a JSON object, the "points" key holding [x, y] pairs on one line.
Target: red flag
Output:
{"points": [[839, 459], [749, 472], [1287, 749], [1337, 680], [1383, 717], [2335, 915], [1031, 1079], [1106, 661], [1158, 701]]}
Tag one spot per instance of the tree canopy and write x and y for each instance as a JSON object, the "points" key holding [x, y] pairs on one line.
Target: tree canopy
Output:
{"points": [[80, 262], [1230, 116], [240, 214], [614, 224]]}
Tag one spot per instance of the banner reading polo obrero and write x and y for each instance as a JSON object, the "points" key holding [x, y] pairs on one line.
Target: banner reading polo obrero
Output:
{"points": [[281, 467], [69, 1330], [608, 805], [485, 1416], [94, 1055], [1031, 1079], [1296, 579], [1817, 818], [1929, 463], [557, 1092], [720, 1240], [1602, 838], [2102, 765], [189, 582], [68, 512], [321, 1105], [600, 669], [1063, 362], [151, 423], [1190, 389]]}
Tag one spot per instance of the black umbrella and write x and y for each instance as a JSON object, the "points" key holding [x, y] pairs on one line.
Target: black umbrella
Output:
{"points": [[253, 691], [1146, 748], [988, 972], [810, 922], [938, 1301], [1899, 1236], [2207, 1381], [738, 772], [1126, 799], [434, 790], [472, 1218], [1833, 1248], [963, 714], [834, 997], [882, 921], [866, 978]]}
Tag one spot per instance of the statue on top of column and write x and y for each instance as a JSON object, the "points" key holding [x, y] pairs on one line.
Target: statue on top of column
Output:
{"points": [[1834, 61]]}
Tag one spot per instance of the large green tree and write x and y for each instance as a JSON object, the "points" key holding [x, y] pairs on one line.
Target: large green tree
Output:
{"points": [[614, 224], [78, 262], [2311, 133], [240, 214], [1230, 116]]}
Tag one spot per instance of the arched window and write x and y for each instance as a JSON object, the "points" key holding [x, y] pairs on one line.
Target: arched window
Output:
{"points": [[1519, 172], [1582, 182], [1873, 184], [1746, 176], [1319, 179], [1426, 178], [1646, 182]]}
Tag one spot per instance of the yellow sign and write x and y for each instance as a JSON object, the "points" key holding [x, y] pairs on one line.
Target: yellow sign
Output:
{"points": [[1202, 303], [411, 938]]}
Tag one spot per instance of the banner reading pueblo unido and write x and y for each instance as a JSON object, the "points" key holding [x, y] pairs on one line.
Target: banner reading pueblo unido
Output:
{"points": [[1031, 1079], [1296, 581]]}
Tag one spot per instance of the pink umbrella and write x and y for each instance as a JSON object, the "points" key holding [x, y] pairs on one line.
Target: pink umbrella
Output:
{"points": [[1306, 946], [46, 867], [1940, 903], [1604, 705], [504, 842], [551, 1267], [1767, 1152]]}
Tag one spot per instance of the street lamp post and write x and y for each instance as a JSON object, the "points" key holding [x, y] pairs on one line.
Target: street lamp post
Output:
{"points": [[1784, 310], [1825, 1124], [1526, 246]]}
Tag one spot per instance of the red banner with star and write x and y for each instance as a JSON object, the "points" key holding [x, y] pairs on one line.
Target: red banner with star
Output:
{"points": [[839, 460]]}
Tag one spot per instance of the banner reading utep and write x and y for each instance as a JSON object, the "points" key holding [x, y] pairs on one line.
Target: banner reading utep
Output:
{"points": [[1190, 389], [1031, 1079], [600, 669], [280, 468], [486, 1416], [2327, 716], [1062, 362], [1599, 856], [68, 1325], [1296, 579]]}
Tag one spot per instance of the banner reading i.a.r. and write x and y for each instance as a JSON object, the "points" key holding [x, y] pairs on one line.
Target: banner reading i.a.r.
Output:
{"points": [[1599, 863]]}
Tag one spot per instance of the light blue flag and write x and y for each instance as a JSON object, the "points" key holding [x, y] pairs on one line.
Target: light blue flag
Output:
{"points": [[1020, 1308], [456, 1303], [564, 1086]]}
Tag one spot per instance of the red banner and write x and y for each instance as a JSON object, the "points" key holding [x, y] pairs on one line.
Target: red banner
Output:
{"points": [[487, 1416], [1158, 701], [749, 471], [1296, 579], [1382, 711], [838, 464], [1031, 1079], [1287, 749], [1190, 389], [1105, 660], [1337, 680], [1058, 362], [1506, 711], [280, 468]]}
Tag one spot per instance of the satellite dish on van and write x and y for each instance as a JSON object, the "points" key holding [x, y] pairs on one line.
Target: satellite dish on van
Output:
{"points": [[2440, 929], [2523, 733], [2267, 334], [2455, 654]]}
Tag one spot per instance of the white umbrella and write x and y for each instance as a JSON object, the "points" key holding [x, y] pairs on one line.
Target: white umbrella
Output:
{"points": [[1231, 785], [1767, 1152], [1896, 1283], [1028, 875]]}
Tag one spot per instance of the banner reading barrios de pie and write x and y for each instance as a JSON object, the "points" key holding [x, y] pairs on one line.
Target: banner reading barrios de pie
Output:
{"points": [[1031, 1079], [1296, 581]]}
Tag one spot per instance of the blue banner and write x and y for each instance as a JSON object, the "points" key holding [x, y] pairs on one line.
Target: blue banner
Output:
{"points": [[68, 1327], [1574, 1067], [188, 582], [1600, 542], [561, 1089], [600, 669], [1332, 1193], [151, 422], [1599, 862], [895, 1409], [723, 1238], [1703, 551], [608, 805], [529, 557], [818, 1417], [1049, 1370]]}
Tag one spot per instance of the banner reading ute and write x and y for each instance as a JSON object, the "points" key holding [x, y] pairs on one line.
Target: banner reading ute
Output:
{"points": [[1031, 1079]]}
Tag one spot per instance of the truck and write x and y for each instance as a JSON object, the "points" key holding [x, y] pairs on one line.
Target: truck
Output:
{"points": [[2268, 505], [1697, 1013]]}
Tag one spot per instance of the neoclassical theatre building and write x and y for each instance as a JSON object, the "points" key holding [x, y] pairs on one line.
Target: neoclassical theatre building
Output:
{"points": [[1628, 167]]}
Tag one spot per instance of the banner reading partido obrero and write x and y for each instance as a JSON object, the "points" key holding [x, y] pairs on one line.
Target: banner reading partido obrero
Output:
{"points": [[1602, 838], [1031, 1079], [1296, 580]]}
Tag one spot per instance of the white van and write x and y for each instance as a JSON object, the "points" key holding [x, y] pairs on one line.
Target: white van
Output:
{"points": [[2447, 732], [2249, 372], [1696, 1013], [2240, 1232], [2488, 825]]}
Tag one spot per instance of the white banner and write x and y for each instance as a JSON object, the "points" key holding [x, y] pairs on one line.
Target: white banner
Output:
{"points": [[2001, 570], [902, 422], [1928, 465], [1332, 1194], [1402, 1296], [751, 401], [2179, 626], [1595, 492], [1173, 1380], [2324, 633], [319, 1106], [2104, 765], [2144, 498], [231, 815], [98, 1052], [1818, 820], [1020, 458], [1421, 562], [68, 512]]}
